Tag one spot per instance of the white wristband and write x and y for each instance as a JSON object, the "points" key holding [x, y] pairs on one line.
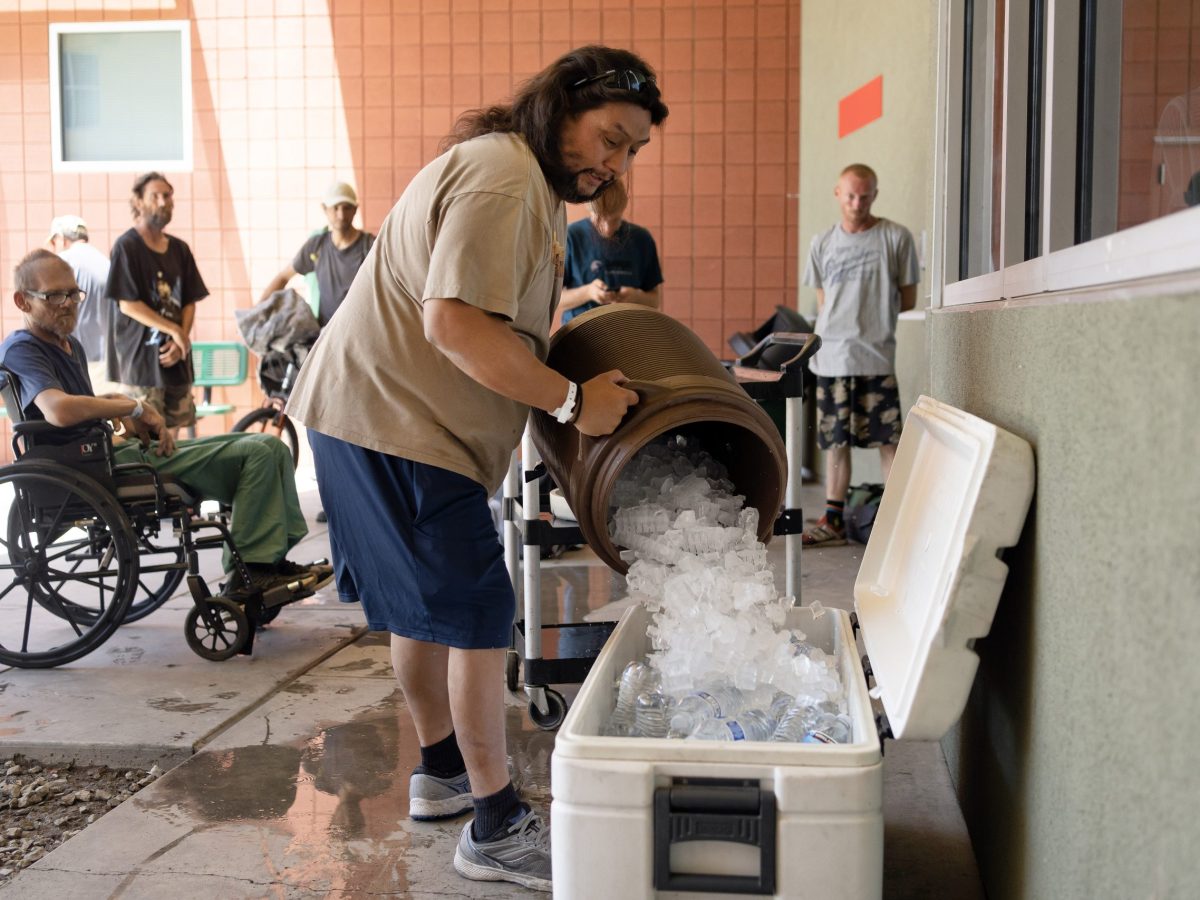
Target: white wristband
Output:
{"points": [[138, 409], [563, 413]]}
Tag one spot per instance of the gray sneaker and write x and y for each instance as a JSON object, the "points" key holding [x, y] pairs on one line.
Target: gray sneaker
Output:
{"points": [[521, 855], [431, 798]]}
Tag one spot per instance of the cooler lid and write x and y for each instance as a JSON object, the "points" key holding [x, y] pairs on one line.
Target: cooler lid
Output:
{"points": [[930, 578]]}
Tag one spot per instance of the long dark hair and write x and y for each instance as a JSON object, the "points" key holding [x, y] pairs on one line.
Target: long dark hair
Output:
{"points": [[543, 103]]}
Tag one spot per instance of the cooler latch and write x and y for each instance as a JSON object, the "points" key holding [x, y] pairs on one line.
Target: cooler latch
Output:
{"points": [[882, 726], [714, 809]]}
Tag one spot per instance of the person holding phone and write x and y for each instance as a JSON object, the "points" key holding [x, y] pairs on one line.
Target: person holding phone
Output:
{"points": [[609, 260]]}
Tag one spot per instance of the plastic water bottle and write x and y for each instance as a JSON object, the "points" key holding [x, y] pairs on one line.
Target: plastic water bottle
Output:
{"points": [[798, 720], [828, 729], [637, 678], [801, 648], [750, 725], [718, 702], [651, 714]]}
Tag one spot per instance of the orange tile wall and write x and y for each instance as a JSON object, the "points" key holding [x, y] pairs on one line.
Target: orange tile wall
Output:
{"points": [[717, 186], [1160, 78]]}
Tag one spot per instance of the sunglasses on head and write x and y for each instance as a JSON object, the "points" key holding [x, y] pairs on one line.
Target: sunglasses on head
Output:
{"points": [[621, 79]]}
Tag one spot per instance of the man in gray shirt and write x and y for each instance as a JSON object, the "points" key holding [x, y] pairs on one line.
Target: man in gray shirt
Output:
{"points": [[865, 271], [69, 239], [335, 253]]}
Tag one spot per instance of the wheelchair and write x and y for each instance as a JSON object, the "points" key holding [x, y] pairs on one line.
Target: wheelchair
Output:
{"points": [[90, 545]]}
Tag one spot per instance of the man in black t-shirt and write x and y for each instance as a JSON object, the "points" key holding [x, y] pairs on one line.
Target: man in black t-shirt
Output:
{"points": [[154, 280], [335, 254]]}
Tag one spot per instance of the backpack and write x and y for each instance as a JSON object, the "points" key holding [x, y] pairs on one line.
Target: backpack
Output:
{"points": [[862, 505]]}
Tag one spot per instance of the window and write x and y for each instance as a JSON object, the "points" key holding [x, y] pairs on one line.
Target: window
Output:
{"points": [[1067, 122], [121, 96]]}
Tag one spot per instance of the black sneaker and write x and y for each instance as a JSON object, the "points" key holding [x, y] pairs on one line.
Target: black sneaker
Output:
{"points": [[263, 577]]}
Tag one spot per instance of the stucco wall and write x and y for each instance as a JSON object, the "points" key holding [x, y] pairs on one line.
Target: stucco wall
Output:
{"points": [[1075, 760]]}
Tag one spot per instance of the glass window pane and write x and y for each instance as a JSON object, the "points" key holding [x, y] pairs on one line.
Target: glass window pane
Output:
{"points": [[982, 149], [1146, 143], [122, 96]]}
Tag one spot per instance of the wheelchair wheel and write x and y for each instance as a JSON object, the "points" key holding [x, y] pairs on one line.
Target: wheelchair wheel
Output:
{"points": [[152, 590], [68, 566], [155, 588], [219, 631], [270, 421]]}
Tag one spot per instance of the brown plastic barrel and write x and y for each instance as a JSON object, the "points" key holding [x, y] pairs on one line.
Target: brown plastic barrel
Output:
{"points": [[683, 389]]}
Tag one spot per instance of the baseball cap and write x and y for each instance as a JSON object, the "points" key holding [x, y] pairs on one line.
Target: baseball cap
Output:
{"points": [[340, 192], [71, 227]]}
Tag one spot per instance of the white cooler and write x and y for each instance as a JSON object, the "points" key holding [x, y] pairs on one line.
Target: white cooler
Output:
{"points": [[635, 817]]}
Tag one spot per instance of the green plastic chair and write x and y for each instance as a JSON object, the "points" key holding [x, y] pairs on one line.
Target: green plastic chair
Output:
{"points": [[217, 364]]}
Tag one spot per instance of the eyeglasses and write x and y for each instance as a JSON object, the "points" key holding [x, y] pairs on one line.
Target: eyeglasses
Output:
{"points": [[58, 298], [622, 79]]}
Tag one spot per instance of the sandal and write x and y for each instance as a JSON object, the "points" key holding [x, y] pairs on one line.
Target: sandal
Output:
{"points": [[822, 535]]}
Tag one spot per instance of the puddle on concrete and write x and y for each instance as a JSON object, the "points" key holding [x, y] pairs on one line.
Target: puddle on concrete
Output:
{"points": [[337, 802]]}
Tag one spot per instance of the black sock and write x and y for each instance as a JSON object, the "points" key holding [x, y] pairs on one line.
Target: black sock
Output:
{"points": [[443, 759], [833, 513], [493, 813]]}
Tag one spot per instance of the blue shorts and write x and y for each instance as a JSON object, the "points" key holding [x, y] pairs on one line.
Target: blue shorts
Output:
{"points": [[416, 545]]}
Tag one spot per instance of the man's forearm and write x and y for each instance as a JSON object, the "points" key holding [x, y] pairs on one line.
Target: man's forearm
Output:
{"points": [[65, 410], [141, 312], [487, 350], [573, 297], [279, 282]]}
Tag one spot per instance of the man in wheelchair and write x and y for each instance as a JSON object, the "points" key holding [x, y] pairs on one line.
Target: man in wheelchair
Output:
{"points": [[251, 472]]}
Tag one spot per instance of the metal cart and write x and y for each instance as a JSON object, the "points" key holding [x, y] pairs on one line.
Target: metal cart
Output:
{"points": [[529, 529]]}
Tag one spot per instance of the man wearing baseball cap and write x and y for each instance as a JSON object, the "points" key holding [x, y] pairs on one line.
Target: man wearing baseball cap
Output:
{"points": [[69, 239], [335, 253]]}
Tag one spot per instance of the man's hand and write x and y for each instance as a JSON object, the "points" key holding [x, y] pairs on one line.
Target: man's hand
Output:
{"points": [[598, 292], [179, 336], [150, 426], [169, 354], [605, 403]]}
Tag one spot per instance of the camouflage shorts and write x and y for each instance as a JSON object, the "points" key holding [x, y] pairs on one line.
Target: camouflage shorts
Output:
{"points": [[860, 411], [174, 402]]}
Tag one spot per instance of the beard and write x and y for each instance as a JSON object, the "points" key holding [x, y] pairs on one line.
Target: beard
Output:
{"points": [[565, 182], [59, 325], [157, 219]]}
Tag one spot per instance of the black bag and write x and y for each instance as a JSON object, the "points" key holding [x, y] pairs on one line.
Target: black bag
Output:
{"points": [[862, 505]]}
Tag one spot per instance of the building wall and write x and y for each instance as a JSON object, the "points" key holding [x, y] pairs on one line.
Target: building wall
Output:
{"points": [[362, 90], [1074, 761]]}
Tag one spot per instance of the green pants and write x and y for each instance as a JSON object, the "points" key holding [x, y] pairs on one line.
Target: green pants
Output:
{"points": [[251, 472]]}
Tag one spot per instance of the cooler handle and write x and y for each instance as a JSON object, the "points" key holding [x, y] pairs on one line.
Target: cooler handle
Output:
{"points": [[714, 809]]}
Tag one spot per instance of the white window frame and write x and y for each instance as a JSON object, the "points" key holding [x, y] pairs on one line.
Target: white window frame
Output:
{"points": [[1164, 246], [182, 28]]}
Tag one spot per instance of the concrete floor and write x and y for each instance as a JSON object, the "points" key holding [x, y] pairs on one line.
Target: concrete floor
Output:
{"points": [[292, 765]]}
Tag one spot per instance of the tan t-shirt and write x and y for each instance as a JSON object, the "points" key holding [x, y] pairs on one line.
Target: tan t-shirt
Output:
{"points": [[481, 224]]}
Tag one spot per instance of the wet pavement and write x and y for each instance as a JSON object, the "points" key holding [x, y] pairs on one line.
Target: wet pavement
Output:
{"points": [[294, 762]]}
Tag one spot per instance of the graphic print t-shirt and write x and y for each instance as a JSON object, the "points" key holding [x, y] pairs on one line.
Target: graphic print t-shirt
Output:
{"points": [[166, 282], [861, 275]]}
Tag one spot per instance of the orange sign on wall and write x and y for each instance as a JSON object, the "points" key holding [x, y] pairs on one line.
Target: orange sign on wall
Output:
{"points": [[860, 107]]}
